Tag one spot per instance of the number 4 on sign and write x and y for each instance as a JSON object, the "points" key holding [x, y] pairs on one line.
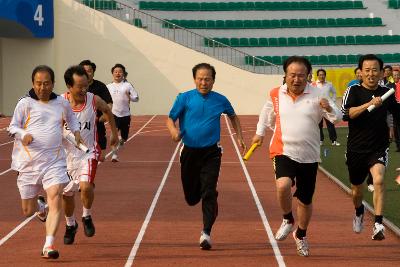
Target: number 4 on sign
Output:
{"points": [[39, 15]]}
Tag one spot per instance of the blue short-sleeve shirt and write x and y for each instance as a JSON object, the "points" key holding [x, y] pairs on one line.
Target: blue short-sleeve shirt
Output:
{"points": [[199, 117]]}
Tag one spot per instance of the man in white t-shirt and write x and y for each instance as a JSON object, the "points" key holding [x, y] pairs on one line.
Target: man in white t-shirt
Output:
{"points": [[122, 93], [38, 155]]}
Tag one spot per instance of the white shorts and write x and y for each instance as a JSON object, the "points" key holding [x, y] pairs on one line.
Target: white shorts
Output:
{"points": [[83, 171], [30, 183]]}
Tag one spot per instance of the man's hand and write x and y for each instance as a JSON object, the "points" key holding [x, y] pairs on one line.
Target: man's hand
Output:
{"points": [[78, 138], [324, 103], [27, 139], [176, 136], [257, 139], [377, 101]]}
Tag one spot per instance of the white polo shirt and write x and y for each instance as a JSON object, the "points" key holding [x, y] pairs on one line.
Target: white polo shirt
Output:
{"points": [[122, 93], [295, 123]]}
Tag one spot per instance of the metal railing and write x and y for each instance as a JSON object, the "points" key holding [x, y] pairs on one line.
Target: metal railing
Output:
{"points": [[126, 11]]}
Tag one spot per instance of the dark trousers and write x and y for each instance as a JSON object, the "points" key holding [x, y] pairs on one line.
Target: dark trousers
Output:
{"points": [[396, 126], [199, 174], [331, 130], [123, 124], [101, 135]]}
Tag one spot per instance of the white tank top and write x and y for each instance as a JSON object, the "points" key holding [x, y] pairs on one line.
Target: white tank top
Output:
{"points": [[87, 122]]}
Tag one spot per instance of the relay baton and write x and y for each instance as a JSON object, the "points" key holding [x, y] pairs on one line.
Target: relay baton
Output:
{"points": [[71, 138], [383, 97], [250, 151]]}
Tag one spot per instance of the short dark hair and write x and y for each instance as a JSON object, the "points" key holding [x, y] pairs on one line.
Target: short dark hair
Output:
{"points": [[388, 67], [297, 59], [324, 71], [43, 68], [204, 66], [87, 62], [118, 65], [370, 57], [356, 69], [68, 75]]}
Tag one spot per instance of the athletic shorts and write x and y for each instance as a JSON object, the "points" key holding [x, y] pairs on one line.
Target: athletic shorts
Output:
{"points": [[84, 171], [358, 164], [303, 175], [30, 183]]}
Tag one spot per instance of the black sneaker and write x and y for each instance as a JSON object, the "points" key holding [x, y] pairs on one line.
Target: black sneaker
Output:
{"points": [[70, 232], [88, 226]]}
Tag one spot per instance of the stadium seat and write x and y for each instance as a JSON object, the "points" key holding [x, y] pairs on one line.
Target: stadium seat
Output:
{"points": [[352, 59], [201, 24], [340, 40], [234, 42], [313, 59], [257, 24], [244, 42], [273, 41], [138, 23], [282, 41], [311, 40], [294, 23], [332, 59], [330, 40], [321, 40], [220, 24], [350, 40], [301, 41], [253, 42], [277, 60], [211, 24], [275, 23], [321, 22], [312, 23], [263, 42], [377, 21], [248, 24], [266, 24], [284, 23], [341, 59], [292, 41], [323, 60], [303, 23]]}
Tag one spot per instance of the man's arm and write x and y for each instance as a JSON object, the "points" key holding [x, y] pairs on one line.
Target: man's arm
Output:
{"points": [[16, 127], [173, 130], [105, 109], [238, 129], [354, 112]]}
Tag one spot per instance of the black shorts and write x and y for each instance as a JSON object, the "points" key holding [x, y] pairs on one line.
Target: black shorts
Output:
{"points": [[101, 135], [303, 175], [123, 124], [358, 164]]}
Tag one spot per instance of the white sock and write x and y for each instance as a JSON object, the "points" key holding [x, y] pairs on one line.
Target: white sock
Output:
{"points": [[49, 241], [86, 212], [70, 220]]}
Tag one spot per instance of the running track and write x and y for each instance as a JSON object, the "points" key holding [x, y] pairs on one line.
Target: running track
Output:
{"points": [[142, 220]]}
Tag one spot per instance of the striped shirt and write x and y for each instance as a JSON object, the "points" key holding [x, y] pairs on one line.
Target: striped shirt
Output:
{"points": [[295, 123]]}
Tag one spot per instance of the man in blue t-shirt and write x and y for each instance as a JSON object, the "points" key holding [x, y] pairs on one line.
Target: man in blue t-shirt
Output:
{"points": [[199, 111]]}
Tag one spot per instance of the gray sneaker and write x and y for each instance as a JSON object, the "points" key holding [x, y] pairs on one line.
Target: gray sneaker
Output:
{"points": [[302, 246], [284, 230], [378, 232], [205, 241], [358, 223]]}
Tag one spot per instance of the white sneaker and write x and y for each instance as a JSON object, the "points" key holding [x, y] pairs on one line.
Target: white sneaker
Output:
{"points": [[284, 230], [321, 143], [114, 158], [302, 246], [378, 232], [205, 241], [358, 223], [42, 215], [335, 143], [371, 188]]}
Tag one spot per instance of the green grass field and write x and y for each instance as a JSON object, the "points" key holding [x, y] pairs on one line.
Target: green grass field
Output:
{"points": [[334, 162]]}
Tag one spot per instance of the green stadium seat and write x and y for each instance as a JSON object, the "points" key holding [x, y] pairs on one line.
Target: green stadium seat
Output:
{"points": [[201, 24], [257, 24], [292, 41], [303, 23], [249, 6], [396, 39], [249, 60], [393, 4], [352, 59], [266, 24], [294, 5], [330, 40], [324, 5], [190, 6], [277, 60], [322, 22], [294, 23], [387, 58], [142, 5], [273, 41], [238, 24], [282, 41], [225, 41], [211, 24], [360, 39], [309, 5], [341, 59], [244, 42], [267, 58], [247, 24], [311, 40], [375, 39], [236, 6], [357, 22], [138, 23], [312, 23], [377, 21], [350, 40], [222, 6], [230, 24], [321, 41], [340, 40], [358, 4], [275, 23], [350, 22], [396, 57], [263, 42], [220, 24], [234, 42], [331, 22], [301, 41], [313, 59], [332, 59], [367, 22], [285, 23], [260, 5], [341, 22], [387, 39], [253, 42], [323, 60]]}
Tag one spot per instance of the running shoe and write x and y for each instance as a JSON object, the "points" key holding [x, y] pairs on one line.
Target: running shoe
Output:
{"points": [[88, 226], [378, 231], [358, 223], [335, 143], [302, 246], [205, 241], [50, 253], [283, 231], [70, 232], [42, 214], [114, 158], [371, 188]]}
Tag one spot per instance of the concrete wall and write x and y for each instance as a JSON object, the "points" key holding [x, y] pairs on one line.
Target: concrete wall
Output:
{"points": [[158, 68]]}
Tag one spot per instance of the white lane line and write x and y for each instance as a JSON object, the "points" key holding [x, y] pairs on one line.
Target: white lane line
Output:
{"points": [[142, 231], [4, 172], [16, 229], [267, 227], [6, 143]]}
